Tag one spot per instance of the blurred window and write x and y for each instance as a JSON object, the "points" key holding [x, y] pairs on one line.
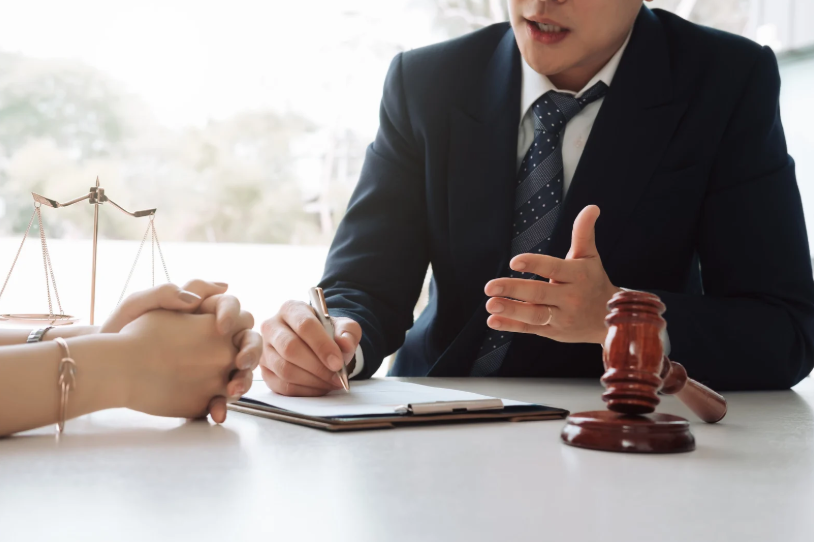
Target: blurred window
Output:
{"points": [[245, 122]]}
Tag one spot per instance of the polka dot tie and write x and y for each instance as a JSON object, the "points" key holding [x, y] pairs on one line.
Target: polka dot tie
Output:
{"points": [[538, 197]]}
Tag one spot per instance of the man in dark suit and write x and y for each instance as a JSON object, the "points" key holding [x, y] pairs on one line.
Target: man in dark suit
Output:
{"points": [[496, 152]]}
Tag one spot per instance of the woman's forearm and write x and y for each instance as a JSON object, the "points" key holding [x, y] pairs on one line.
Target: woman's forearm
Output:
{"points": [[9, 337], [29, 390]]}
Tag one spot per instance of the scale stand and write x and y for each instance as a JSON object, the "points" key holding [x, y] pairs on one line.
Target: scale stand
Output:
{"points": [[95, 197]]}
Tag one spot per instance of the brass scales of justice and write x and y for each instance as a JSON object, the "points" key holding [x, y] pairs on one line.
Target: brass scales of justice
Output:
{"points": [[96, 197]]}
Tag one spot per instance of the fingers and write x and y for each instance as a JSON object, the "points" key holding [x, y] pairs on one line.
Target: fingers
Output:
{"points": [[300, 318], [217, 409], [206, 289], [250, 349], [543, 266], [295, 373], [288, 388], [166, 296], [240, 383], [516, 326], [288, 345], [527, 313], [347, 334], [228, 315], [530, 291], [300, 356], [583, 236], [245, 320]]}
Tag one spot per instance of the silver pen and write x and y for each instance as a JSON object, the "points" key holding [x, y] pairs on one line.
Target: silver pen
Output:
{"points": [[317, 298]]}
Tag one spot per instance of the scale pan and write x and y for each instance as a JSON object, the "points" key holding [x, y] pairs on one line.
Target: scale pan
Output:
{"points": [[36, 319]]}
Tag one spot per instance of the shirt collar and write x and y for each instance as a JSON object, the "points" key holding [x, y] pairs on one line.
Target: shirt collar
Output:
{"points": [[536, 84]]}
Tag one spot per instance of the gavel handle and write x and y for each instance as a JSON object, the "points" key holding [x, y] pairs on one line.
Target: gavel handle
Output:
{"points": [[707, 404]]}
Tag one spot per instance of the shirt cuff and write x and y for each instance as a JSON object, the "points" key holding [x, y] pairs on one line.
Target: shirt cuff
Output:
{"points": [[360, 362]]}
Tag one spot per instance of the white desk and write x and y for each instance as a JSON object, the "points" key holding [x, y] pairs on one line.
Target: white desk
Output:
{"points": [[121, 476]]}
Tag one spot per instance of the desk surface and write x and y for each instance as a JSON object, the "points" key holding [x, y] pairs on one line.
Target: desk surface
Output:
{"points": [[120, 475]]}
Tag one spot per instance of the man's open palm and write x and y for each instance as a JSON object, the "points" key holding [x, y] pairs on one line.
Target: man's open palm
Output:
{"points": [[571, 307]]}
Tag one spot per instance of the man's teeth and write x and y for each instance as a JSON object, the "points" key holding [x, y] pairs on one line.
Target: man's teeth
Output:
{"points": [[549, 27]]}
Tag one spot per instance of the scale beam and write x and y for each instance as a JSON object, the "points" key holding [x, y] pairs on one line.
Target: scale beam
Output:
{"points": [[137, 214], [54, 203], [96, 196]]}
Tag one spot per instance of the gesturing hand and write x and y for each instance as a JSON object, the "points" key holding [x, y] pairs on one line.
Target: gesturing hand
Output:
{"points": [[572, 306]]}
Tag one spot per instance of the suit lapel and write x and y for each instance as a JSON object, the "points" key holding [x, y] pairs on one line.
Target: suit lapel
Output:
{"points": [[634, 127], [481, 173]]}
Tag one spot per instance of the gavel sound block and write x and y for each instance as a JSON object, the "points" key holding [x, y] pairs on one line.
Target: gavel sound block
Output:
{"points": [[636, 369]]}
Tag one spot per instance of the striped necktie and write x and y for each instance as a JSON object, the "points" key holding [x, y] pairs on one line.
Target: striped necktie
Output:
{"points": [[538, 197]]}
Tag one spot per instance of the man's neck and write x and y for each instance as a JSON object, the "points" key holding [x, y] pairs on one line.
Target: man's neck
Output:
{"points": [[575, 79]]}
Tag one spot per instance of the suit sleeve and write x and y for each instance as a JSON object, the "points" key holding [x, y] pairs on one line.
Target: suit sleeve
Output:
{"points": [[379, 257], [754, 326]]}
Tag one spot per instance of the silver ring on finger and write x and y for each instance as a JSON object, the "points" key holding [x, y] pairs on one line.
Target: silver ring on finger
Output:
{"points": [[550, 316]]}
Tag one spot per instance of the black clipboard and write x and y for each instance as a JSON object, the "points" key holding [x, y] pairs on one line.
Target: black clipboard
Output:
{"points": [[412, 414]]}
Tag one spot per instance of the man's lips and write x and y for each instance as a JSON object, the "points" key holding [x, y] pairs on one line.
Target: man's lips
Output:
{"points": [[547, 31]]}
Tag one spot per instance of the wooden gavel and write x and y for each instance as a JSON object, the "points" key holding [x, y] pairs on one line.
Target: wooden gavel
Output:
{"points": [[636, 367], [704, 402], [636, 370]]}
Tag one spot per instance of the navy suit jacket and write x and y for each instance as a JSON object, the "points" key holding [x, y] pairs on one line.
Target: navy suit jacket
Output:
{"points": [[687, 161]]}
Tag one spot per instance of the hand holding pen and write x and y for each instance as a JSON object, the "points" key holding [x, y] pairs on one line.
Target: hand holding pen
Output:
{"points": [[320, 307], [300, 358]]}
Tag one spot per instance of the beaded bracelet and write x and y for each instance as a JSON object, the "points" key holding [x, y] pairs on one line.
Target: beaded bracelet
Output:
{"points": [[67, 382]]}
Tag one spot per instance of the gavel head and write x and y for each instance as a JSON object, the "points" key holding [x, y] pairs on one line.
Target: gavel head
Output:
{"points": [[633, 352]]}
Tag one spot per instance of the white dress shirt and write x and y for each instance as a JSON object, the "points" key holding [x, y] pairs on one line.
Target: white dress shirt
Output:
{"points": [[575, 134]]}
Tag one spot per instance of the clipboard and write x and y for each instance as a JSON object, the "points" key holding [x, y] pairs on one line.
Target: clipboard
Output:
{"points": [[438, 412]]}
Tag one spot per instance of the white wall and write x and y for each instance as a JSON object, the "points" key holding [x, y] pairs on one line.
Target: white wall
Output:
{"points": [[797, 112]]}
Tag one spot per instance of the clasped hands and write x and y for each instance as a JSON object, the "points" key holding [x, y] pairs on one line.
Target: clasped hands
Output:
{"points": [[572, 306], [193, 349]]}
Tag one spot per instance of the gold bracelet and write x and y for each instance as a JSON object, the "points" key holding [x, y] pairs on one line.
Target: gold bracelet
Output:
{"points": [[67, 382]]}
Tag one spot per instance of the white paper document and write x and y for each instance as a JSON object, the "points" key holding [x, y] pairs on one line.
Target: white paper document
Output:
{"points": [[366, 397]]}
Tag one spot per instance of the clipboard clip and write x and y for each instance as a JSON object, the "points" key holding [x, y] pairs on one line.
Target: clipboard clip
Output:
{"points": [[449, 407]]}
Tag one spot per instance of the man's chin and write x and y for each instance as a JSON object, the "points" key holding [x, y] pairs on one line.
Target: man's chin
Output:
{"points": [[545, 62], [546, 67]]}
